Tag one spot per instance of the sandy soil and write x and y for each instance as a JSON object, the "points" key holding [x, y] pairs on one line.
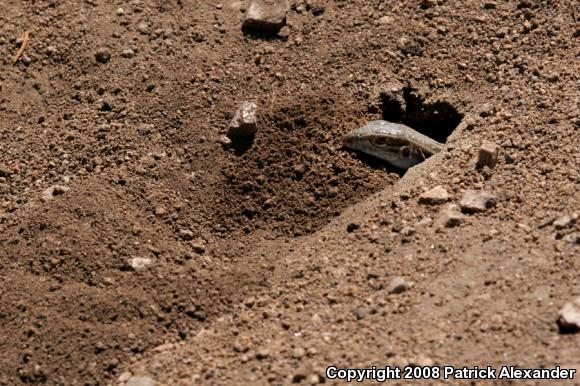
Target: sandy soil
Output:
{"points": [[268, 263]]}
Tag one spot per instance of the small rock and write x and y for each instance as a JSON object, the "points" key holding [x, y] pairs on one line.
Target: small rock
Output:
{"points": [[353, 226], [120, 12], [140, 381], [563, 222], [198, 247], [137, 263], [552, 77], [185, 234], [125, 376], [262, 353], [160, 212], [50, 50], [244, 121], [106, 104], [143, 28], [298, 353], [316, 8], [449, 217], [284, 32], [477, 201], [501, 32], [5, 171], [488, 155], [569, 317], [102, 55], [53, 191], [225, 141], [435, 196], [386, 20], [397, 285], [408, 231], [486, 110], [266, 15], [573, 238], [128, 53]]}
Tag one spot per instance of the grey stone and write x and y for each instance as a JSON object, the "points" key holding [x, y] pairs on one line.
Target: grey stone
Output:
{"points": [[435, 196], [102, 55], [225, 141], [569, 317], [488, 155], [563, 222], [244, 121], [266, 15], [143, 28], [397, 285], [449, 217], [128, 53], [486, 110], [137, 263], [185, 234], [140, 381], [477, 201]]}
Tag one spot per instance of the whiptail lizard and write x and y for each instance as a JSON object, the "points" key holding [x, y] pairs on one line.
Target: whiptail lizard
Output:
{"points": [[395, 143]]}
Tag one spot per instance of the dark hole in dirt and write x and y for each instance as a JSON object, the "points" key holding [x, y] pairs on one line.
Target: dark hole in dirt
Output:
{"points": [[293, 178], [434, 119]]}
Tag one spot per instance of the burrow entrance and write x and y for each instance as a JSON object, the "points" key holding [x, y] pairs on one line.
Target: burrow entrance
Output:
{"points": [[295, 176], [406, 105]]}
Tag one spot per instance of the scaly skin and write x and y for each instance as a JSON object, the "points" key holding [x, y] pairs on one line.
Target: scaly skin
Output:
{"points": [[395, 143]]}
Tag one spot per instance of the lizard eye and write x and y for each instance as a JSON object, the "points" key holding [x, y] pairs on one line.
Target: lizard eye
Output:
{"points": [[405, 151], [380, 141]]}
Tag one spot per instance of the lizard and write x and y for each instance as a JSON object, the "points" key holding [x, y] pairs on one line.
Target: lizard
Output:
{"points": [[395, 143]]}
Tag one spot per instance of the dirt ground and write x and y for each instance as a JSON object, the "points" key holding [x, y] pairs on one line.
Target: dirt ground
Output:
{"points": [[265, 265]]}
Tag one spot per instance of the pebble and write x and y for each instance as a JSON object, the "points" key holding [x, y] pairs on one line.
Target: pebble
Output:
{"points": [[137, 263], [185, 234], [198, 247], [50, 50], [408, 231], [266, 16], [143, 28], [397, 285], [569, 317], [225, 141], [449, 217], [120, 12], [486, 110], [244, 121], [435, 196], [386, 20], [5, 171], [284, 32], [262, 353], [477, 201], [298, 353], [55, 190], [140, 381], [102, 55], [128, 53], [563, 222], [573, 238], [488, 155]]}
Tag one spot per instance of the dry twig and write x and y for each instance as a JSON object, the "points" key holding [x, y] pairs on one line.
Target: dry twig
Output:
{"points": [[22, 47]]}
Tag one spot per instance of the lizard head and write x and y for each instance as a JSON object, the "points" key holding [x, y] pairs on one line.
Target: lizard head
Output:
{"points": [[386, 145]]}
